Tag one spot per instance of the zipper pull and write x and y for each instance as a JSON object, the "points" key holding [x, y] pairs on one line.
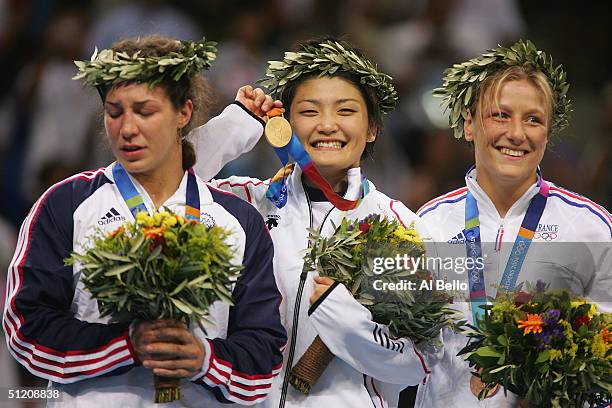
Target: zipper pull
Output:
{"points": [[499, 238]]}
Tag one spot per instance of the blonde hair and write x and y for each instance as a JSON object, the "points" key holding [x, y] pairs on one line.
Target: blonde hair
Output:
{"points": [[489, 90]]}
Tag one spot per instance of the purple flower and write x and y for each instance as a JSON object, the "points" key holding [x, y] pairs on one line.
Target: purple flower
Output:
{"points": [[557, 332], [551, 317], [540, 286], [544, 339]]}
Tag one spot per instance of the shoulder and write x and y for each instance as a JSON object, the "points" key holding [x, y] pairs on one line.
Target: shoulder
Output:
{"points": [[443, 202], [69, 193], [568, 205], [53, 214], [248, 217], [381, 203]]}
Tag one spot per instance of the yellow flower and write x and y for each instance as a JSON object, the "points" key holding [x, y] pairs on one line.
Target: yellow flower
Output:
{"points": [[143, 218], [502, 307], [533, 324], [157, 219], [554, 354], [407, 234], [592, 311], [169, 221], [599, 348], [571, 349]]}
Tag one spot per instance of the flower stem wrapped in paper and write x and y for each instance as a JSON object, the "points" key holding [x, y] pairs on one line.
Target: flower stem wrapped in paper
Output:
{"points": [[549, 347], [158, 267], [350, 257]]}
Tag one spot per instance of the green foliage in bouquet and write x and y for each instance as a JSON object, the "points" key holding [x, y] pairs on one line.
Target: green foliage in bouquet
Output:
{"points": [[550, 347], [161, 266], [348, 257]]}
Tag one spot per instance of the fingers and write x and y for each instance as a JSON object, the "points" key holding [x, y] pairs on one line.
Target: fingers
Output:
{"points": [[256, 100], [146, 333], [324, 280], [244, 92], [181, 373], [174, 359], [317, 291]]}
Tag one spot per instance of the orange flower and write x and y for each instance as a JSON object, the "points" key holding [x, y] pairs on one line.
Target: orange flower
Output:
{"points": [[119, 230], [533, 324], [606, 335], [152, 232]]}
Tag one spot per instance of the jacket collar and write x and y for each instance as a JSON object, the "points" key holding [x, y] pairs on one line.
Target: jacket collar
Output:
{"points": [[178, 198], [353, 191], [486, 204]]}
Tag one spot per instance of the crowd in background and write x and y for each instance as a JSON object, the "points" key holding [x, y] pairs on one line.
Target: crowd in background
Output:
{"points": [[51, 127]]}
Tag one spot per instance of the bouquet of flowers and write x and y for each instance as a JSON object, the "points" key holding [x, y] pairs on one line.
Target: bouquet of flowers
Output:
{"points": [[160, 266], [549, 347], [348, 257]]}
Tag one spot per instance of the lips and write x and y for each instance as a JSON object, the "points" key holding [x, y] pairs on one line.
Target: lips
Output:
{"points": [[131, 151], [328, 144], [512, 152]]}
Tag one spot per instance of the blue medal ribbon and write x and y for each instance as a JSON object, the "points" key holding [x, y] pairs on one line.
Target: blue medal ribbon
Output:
{"points": [[277, 190], [136, 204], [518, 254]]}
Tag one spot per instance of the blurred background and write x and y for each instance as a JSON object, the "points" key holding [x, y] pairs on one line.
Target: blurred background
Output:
{"points": [[51, 127]]}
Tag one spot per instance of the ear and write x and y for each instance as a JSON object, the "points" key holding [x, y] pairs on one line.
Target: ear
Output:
{"points": [[185, 113], [371, 136], [468, 127]]}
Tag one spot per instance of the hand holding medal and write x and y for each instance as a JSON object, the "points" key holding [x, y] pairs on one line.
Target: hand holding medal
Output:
{"points": [[257, 101]]}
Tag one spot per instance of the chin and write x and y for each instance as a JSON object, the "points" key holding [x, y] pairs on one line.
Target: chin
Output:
{"points": [[134, 167], [514, 174]]}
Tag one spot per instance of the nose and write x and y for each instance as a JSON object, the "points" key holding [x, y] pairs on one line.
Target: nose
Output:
{"points": [[128, 126], [328, 124], [516, 131]]}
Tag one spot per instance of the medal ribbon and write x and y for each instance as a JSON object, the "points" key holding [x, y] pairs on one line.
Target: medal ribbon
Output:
{"points": [[136, 204], [277, 190], [478, 295]]}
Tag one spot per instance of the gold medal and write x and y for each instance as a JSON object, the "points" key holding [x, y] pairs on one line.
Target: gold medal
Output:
{"points": [[476, 386], [278, 131]]}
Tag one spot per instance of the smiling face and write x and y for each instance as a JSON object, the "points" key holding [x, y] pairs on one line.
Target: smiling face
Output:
{"points": [[330, 117], [510, 134], [142, 127]]}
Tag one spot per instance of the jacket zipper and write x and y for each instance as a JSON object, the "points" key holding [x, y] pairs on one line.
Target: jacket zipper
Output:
{"points": [[499, 236], [296, 315]]}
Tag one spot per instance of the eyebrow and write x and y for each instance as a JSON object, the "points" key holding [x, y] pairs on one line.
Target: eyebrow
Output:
{"points": [[495, 107], [137, 103], [339, 101]]}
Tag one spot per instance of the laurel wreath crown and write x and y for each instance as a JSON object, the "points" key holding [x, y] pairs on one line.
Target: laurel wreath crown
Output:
{"points": [[462, 81], [108, 67], [327, 58]]}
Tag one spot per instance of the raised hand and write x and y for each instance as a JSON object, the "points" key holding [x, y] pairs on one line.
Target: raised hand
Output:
{"points": [[257, 101]]}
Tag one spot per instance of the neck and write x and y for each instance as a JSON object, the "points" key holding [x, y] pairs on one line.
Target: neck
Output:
{"points": [[161, 185], [504, 195], [337, 181]]}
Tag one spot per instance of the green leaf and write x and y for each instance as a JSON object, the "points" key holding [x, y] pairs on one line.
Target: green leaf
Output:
{"points": [[119, 270], [113, 257], [181, 306], [488, 352], [543, 356], [180, 287]]}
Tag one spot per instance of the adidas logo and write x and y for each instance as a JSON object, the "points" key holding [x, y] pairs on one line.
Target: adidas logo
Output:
{"points": [[458, 239], [111, 216]]}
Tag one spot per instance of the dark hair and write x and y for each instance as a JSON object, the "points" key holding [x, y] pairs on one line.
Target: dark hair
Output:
{"points": [[375, 122], [190, 87]]}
